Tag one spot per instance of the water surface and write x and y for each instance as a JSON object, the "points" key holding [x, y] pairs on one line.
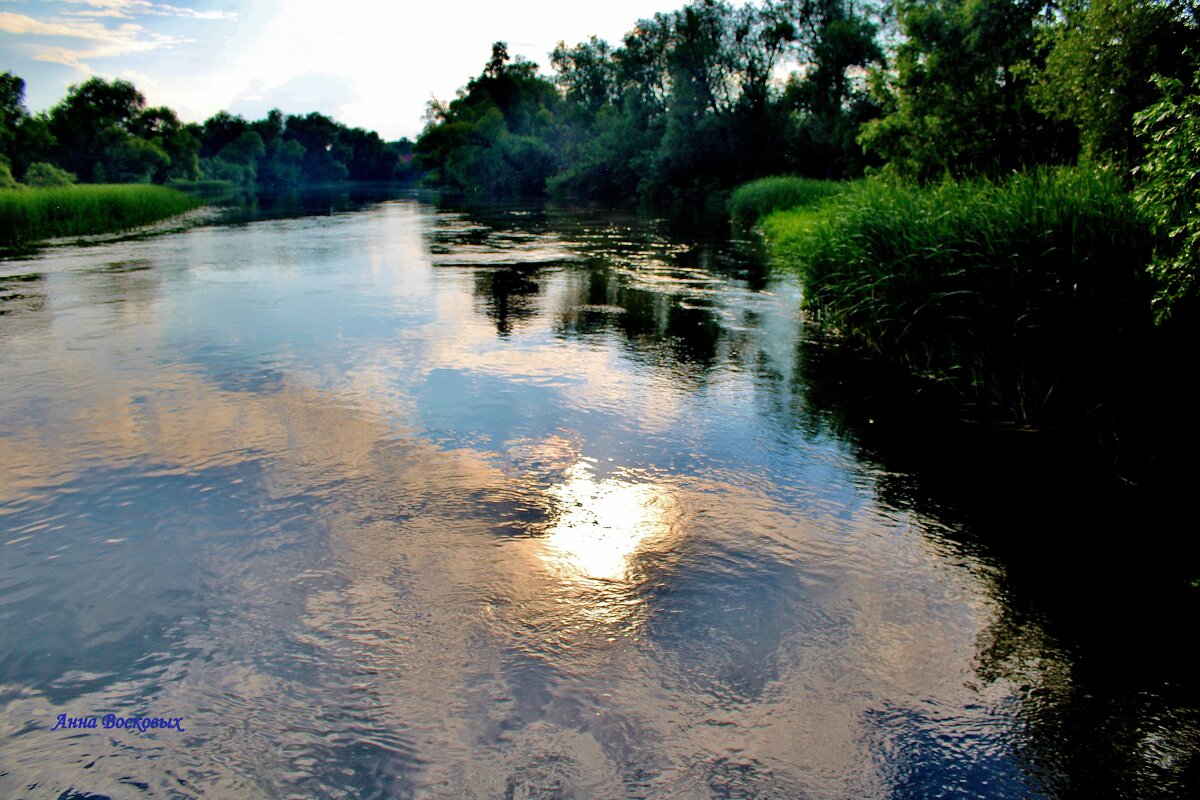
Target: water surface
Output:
{"points": [[415, 502]]}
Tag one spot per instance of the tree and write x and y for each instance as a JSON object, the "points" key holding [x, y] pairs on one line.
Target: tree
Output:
{"points": [[497, 136], [238, 160], [369, 156], [12, 109], [129, 159], [163, 129], [24, 138], [828, 104], [1169, 190], [281, 167], [219, 130], [961, 92], [324, 159], [34, 142], [1103, 56], [586, 75], [94, 124]]}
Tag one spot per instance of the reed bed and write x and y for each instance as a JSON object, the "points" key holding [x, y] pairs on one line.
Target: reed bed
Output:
{"points": [[34, 214], [751, 202], [1026, 299]]}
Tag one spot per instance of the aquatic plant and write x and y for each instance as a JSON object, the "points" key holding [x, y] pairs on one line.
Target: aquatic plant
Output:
{"points": [[33, 214], [753, 201], [1021, 297]]}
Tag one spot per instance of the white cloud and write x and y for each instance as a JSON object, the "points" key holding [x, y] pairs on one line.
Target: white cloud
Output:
{"points": [[103, 42], [129, 8], [98, 12]]}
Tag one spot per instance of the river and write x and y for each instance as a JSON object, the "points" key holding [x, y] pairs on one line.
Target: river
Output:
{"points": [[416, 501]]}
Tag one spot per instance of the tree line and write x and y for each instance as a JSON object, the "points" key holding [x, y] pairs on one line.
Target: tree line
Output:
{"points": [[694, 100], [103, 132]]}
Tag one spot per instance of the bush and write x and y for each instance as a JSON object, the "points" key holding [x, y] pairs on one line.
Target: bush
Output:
{"points": [[753, 201], [1017, 297], [7, 181], [42, 174]]}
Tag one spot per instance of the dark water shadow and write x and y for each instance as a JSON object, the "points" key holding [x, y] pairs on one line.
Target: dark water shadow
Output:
{"points": [[309, 201], [1093, 577]]}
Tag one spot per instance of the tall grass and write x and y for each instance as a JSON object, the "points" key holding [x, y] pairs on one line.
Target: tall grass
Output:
{"points": [[1025, 299], [753, 201], [33, 214]]}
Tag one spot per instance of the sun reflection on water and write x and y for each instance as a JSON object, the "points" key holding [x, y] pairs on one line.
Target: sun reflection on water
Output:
{"points": [[603, 523]]}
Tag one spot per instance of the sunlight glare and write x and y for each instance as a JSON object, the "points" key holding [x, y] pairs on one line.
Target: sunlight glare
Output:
{"points": [[603, 523]]}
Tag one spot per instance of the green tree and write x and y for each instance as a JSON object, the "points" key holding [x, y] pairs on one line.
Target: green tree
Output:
{"points": [[129, 159], [34, 142], [238, 160], [369, 156], [1102, 58], [92, 127], [1169, 190], [609, 122], [829, 104], [325, 156], [587, 76], [12, 109], [688, 103], [162, 128], [961, 92], [281, 168], [496, 136], [270, 127], [219, 130], [24, 137]]}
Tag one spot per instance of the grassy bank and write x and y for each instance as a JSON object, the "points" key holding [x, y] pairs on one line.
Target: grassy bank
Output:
{"points": [[30, 215], [1024, 302]]}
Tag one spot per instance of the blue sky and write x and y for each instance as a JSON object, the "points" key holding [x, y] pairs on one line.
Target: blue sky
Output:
{"points": [[369, 64]]}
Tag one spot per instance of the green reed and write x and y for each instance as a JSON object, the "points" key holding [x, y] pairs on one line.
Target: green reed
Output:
{"points": [[753, 201], [1020, 297], [33, 214]]}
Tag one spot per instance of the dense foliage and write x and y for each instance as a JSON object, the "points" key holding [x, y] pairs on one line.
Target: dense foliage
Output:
{"points": [[103, 131], [1170, 190], [690, 102]]}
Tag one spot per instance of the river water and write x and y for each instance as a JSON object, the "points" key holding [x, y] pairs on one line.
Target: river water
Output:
{"points": [[409, 501]]}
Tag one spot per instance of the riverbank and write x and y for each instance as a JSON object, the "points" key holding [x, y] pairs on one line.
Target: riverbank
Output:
{"points": [[30, 215], [1025, 304]]}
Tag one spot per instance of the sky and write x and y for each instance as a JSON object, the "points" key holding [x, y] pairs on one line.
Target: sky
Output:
{"points": [[373, 65]]}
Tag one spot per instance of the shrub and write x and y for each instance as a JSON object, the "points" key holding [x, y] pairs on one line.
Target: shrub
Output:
{"points": [[7, 181], [42, 174]]}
